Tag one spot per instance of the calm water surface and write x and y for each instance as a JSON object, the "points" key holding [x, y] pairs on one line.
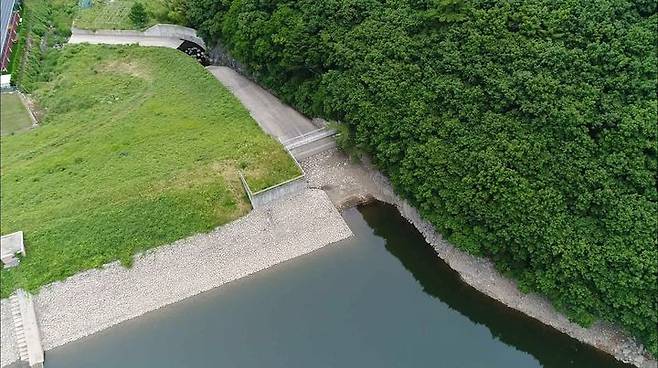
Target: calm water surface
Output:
{"points": [[380, 299]]}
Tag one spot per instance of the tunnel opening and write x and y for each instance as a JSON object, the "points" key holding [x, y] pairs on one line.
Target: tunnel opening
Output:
{"points": [[196, 51]]}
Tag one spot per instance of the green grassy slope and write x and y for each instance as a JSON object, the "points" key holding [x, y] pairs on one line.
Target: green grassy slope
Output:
{"points": [[115, 14], [140, 147], [13, 116]]}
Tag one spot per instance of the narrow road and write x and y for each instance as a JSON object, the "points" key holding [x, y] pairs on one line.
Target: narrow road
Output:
{"points": [[118, 39], [273, 116], [163, 35]]}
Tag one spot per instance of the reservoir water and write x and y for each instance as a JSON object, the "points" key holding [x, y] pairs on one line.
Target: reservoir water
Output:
{"points": [[379, 299]]}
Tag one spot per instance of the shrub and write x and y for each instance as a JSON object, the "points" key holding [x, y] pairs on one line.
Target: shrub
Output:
{"points": [[138, 15]]}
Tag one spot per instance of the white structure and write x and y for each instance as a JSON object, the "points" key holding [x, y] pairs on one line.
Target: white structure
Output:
{"points": [[26, 329], [10, 245], [5, 81]]}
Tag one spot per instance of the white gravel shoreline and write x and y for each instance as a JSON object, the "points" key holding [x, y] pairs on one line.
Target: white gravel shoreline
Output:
{"points": [[97, 299], [8, 350]]}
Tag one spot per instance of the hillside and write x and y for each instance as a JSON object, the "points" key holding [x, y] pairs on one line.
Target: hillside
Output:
{"points": [[525, 131], [139, 147]]}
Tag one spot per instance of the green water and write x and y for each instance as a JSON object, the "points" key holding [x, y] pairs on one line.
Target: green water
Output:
{"points": [[380, 299]]}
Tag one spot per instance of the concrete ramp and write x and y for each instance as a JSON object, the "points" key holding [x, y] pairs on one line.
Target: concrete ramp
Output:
{"points": [[295, 131]]}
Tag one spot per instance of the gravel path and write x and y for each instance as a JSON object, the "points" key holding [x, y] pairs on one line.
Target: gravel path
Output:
{"points": [[97, 299], [8, 348], [348, 183]]}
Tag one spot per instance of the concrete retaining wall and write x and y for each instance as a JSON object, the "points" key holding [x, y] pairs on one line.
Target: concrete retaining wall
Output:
{"points": [[281, 190], [278, 191], [173, 30]]}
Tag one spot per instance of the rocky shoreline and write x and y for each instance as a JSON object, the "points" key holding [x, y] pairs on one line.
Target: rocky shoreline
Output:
{"points": [[97, 299], [349, 183]]}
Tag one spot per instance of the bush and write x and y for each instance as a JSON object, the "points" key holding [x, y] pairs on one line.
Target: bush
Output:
{"points": [[41, 19], [138, 15]]}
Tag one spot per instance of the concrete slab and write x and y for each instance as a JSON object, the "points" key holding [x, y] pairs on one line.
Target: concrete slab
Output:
{"points": [[10, 245]]}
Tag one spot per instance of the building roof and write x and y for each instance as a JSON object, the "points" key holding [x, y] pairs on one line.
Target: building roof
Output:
{"points": [[6, 11]]}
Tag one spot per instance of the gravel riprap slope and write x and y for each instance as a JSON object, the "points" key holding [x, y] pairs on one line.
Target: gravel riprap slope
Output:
{"points": [[97, 299], [8, 348]]}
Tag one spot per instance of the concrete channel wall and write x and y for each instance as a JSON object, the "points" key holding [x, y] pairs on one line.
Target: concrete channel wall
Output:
{"points": [[278, 191], [282, 190]]}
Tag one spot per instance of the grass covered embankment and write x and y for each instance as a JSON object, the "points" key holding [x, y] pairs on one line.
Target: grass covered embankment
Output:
{"points": [[106, 14], [139, 147], [13, 115]]}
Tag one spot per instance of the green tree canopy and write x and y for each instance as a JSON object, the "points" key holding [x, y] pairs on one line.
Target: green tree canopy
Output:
{"points": [[138, 15], [524, 130]]}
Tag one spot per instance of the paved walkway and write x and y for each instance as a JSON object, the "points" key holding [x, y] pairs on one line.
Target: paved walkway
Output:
{"points": [[95, 39], [273, 116], [124, 39]]}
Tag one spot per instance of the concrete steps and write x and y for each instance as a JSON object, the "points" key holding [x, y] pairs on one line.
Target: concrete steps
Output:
{"points": [[26, 330], [19, 332], [310, 143], [311, 149]]}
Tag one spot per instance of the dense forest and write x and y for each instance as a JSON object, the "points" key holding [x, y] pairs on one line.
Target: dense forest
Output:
{"points": [[525, 131]]}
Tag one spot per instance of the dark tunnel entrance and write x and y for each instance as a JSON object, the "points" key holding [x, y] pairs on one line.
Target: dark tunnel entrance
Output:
{"points": [[196, 51]]}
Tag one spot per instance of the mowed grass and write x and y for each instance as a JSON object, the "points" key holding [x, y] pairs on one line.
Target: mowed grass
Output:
{"points": [[139, 147], [13, 115], [106, 14]]}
